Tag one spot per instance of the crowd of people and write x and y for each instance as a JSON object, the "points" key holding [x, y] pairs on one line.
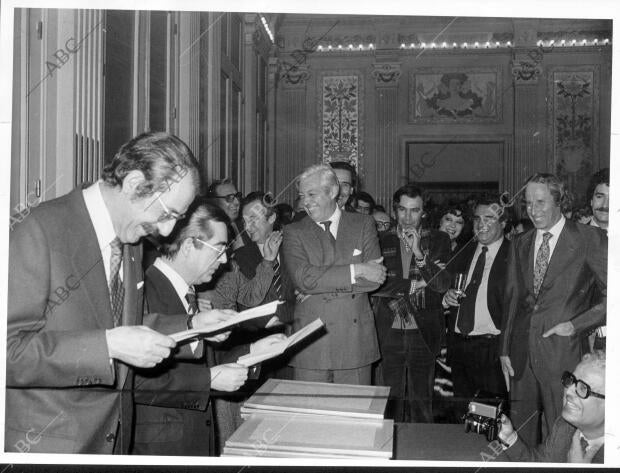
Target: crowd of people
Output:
{"points": [[505, 301]]}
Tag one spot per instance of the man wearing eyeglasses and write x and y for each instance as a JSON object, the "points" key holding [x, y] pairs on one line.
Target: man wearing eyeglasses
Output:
{"points": [[224, 194], [578, 435], [75, 325], [171, 412]]}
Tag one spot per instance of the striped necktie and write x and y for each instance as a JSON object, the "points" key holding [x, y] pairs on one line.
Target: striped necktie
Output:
{"points": [[117, 290], [192, 302], [277, 278]]}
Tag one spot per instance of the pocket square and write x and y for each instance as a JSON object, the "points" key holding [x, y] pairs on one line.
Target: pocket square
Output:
{"points": [[356, 252], [139, 285]]}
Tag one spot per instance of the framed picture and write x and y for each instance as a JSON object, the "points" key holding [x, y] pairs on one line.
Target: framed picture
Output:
{"points": [[463, 95]]}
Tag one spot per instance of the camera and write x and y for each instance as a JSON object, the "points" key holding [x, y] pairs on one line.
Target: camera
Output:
{"points": [[484, 414]]}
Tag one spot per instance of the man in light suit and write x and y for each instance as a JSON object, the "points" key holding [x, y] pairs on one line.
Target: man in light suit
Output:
{"points": [[333, 257], [552, 273], [578, 435], [75, 302]]}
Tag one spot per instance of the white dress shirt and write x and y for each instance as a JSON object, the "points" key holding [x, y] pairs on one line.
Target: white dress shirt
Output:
{"points": [[102, 222], [333, 229], [483, 322]]}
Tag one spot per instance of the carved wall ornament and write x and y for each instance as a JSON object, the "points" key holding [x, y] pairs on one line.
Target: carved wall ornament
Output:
{"points": [[386, 73]]}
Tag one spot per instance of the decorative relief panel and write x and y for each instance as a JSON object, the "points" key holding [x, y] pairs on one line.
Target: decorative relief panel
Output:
{"points": [[386, 73], [340, 111], [573, 110], [465, 95]]}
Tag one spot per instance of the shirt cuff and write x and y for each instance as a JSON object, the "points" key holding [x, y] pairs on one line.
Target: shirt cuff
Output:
{"points": [[352, 267], [510, 441]]}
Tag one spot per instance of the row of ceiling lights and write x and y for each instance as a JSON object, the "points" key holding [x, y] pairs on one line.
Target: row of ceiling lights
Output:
{"points": [[465, 45]]}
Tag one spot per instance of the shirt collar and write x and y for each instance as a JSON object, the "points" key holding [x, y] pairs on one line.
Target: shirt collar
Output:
{"points": [[556, 229], [99, 214], [593, 223], [335, 218], [593, 442], [179, 284], [492, 248]]}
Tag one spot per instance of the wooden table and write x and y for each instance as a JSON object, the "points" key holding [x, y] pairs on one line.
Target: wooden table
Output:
{"points": [[447, 442]]}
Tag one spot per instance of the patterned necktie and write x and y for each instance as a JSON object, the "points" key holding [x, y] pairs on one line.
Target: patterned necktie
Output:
{"points": [[327, 224], [277, 278], [192, 301], [542, 261], [117, 290], [467, 309]]}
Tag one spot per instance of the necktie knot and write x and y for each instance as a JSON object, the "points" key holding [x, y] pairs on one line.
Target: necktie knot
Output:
{"points": [[584, 444], [484, 249], [117, 247], [326, 224], [547, 236]]}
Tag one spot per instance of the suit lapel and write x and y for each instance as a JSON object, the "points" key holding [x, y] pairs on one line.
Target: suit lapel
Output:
{"points": [[346, 234], [89, 266], [563, 255], [319, 244], [526, 254]]}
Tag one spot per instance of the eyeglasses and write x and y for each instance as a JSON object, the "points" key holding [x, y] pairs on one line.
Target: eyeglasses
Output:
{"points": [[230, 197], [582, 389], [383, 225], [219, 251], [168, 214]]}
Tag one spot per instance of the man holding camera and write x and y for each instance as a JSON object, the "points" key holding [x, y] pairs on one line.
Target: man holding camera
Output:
{"points": [[578, 435]]}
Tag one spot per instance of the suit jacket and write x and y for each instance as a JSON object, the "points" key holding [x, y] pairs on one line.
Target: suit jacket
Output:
{"points": [[554, 449], [430, 320], [321, 270], [171, 399], [64, 395], [578, 266], [497, 280]]}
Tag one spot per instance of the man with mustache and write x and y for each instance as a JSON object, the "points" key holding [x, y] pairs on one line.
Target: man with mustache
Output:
{"points": [[598, 190], [75, 325], [553, 273]]}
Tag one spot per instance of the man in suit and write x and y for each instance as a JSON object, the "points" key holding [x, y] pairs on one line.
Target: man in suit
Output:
{"points": [[224, 194], [171, 410], [346, 181], [598, 191], [75, 304], [475, 319], [578, 435], [334, 258], [552, 273], [409, 314]]}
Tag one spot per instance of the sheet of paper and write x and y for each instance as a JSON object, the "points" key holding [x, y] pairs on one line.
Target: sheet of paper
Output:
{"points": [[278, 348], [254, 313]]}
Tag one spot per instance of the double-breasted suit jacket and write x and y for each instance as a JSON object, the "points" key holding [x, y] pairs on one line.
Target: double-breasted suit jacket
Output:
{"points": [[321, 270]]}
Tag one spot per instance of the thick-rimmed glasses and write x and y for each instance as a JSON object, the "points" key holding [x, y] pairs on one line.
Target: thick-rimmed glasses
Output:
{"points": [[230, 197], [168, 214], [383, 226], [582, 388]]}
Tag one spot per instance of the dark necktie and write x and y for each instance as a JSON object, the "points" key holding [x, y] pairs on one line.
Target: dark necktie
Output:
{"points": [[542, 261], [327, 224], [277, 278], [117, 291], [584, 445], [467, 310], [192, 301]]}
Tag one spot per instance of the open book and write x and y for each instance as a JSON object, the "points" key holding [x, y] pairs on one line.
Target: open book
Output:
{"points": [[254, 313], [280, 347]]}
